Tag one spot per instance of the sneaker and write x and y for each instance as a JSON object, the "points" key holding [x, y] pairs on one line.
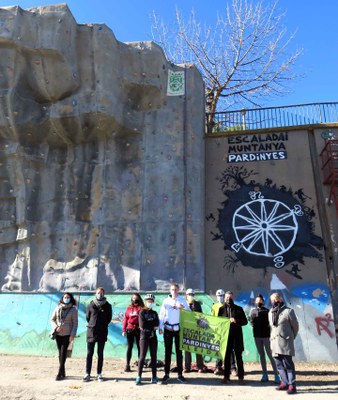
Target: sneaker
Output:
{"points": [[154, 380], [265, 378], [165, 379], [234, 372], [241, 381], [201, 371], [218, 371], [282, 387], [127, 368], [86, 378], [181, 379], [277, 379], [187, 370], [59, 377], [99, 378], [291, 390], [138, 380], [225, 381]]}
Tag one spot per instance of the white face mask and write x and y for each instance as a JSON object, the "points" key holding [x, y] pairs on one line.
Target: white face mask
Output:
{"points": [[149, 304], [173, 294], [99, 296], [66, 300], [190, 299], [220, 299]]}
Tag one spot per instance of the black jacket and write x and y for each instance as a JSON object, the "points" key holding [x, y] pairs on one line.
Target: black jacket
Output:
{"points": [[98, 319], [195, 306], [259, 318], [148, 320], [235, 331]]}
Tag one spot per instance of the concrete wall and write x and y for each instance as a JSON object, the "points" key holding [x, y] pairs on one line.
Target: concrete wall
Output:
{"points": [[101, 159], [269, 228]]}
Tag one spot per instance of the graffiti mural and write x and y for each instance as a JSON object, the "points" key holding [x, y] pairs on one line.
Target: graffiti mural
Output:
{"points": [[271, 225]]}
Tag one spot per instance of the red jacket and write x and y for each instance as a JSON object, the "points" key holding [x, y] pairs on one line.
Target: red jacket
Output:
{"points": [[130, 320]]}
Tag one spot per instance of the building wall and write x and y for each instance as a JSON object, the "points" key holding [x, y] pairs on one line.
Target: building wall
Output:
{"points": [[267, 229]]}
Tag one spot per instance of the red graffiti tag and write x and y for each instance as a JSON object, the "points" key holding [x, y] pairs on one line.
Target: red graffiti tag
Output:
{"points": [[323, 324]]}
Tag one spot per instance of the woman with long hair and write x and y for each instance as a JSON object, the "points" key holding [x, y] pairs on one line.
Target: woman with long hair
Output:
{"points": [[131, 328], [64, 323]]}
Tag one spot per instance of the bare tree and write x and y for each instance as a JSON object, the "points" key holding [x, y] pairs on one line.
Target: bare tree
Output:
{"points": [[243, 58]]}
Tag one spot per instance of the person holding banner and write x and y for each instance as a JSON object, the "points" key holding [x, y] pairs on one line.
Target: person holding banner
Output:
{"points": [[220, 293], [170, 327], [196, 307], [238, 319], [214, 311]]}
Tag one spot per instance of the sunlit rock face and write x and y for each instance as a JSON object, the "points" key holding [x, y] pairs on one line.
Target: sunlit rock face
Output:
{"points": [[101, 171]]}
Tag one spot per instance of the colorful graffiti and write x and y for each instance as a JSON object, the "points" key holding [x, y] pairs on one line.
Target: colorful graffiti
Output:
{"points": [[25, 326]]}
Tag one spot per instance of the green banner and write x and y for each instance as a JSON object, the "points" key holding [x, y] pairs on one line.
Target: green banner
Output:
{"points": [[204, 334]]}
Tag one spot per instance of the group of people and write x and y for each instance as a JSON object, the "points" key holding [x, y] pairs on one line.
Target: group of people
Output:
{"points": [[274, 332]]}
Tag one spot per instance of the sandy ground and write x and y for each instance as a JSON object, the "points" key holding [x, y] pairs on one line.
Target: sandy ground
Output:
{"points": [[33, 378]]}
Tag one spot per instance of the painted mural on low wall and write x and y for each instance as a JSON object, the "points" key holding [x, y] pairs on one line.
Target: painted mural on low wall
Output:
{"points": [[25, 322], [25, 325], [263, 232]]}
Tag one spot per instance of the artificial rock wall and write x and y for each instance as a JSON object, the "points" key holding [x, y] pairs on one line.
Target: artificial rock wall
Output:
{"points": [[101, 165]]}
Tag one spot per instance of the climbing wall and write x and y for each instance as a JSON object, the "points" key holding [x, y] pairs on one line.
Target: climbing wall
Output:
{"points": [[101, 159]]}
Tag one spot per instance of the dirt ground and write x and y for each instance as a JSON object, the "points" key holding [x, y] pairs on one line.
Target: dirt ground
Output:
{"points": [[33, 378]]}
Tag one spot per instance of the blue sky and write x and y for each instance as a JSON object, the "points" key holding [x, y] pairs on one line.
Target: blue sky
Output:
{"points": [[316, 23]]}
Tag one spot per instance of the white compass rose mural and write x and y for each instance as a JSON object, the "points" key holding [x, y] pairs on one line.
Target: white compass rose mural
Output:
{"points": [[264, 225]]}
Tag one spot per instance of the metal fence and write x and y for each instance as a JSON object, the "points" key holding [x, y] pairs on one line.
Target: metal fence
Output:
{"points": [[272, 117]]}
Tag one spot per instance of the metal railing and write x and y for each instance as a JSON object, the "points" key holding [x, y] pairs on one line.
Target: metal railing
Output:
{"points": [[272, 117]]}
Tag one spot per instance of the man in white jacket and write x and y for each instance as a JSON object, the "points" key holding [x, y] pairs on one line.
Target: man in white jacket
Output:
{"points": [[170, 327]]}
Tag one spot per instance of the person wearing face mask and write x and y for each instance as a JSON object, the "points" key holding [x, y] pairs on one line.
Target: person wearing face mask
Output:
{"points": [[148, 322], [131, 328], [64, 322], [170, 327], [196, 307], [284, 328], [98, 316], [235, 343], [261, 331], [214, 311]]}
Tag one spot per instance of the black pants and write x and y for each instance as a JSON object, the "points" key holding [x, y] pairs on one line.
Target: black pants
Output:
{"points": [[148, 339], [219, 362], [62, 343], [132, 335], [90, 353], [227, 360], [286, 369], [169, 337], [187, 360]]}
